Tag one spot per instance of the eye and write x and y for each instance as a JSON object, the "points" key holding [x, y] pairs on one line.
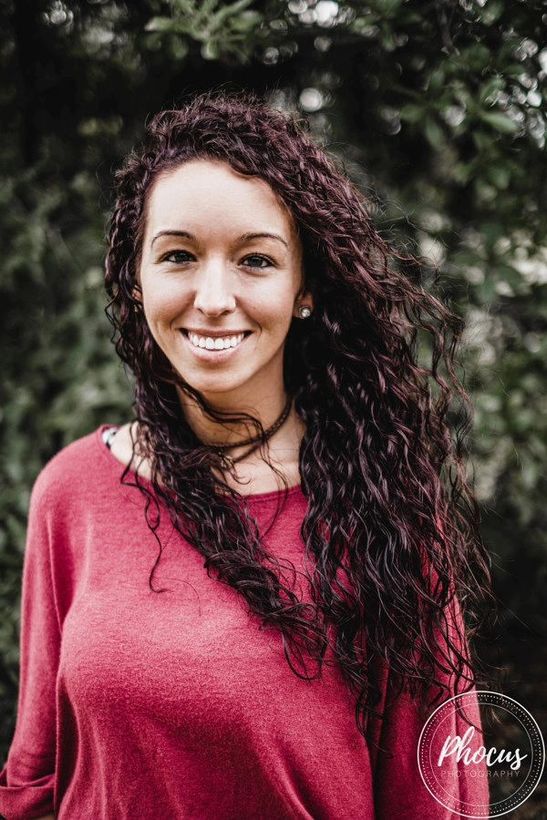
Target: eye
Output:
{"points": [[255, 260], [169, 257], [258, 261]]}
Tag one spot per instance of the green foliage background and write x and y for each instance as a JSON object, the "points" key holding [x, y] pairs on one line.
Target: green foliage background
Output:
{"points": [[437, 110]]}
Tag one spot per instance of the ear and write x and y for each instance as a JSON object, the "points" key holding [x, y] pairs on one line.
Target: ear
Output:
{"points": [[136, 293], [304, 298]]}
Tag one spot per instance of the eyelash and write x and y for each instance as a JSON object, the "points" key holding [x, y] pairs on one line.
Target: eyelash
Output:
{"points": [[250, 256]]}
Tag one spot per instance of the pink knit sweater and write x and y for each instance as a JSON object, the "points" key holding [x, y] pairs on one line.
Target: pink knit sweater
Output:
{"points": [[137, 704]]}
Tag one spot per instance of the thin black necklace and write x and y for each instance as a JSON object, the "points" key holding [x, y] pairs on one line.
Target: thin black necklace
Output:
{"points": [[257, 440]]}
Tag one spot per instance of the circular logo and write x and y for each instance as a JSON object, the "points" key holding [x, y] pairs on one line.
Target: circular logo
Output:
{"points": [[508, 759]]}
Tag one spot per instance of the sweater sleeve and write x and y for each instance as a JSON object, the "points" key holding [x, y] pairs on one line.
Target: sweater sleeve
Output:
{"points": [[27, 779], [399, 791]]}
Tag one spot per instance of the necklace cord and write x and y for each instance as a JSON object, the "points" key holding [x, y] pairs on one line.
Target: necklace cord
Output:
{"points": [[255, 440]]}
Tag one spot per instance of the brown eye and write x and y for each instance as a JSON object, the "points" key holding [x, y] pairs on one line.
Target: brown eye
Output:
{"points": [[258, 261], [169, 257]]}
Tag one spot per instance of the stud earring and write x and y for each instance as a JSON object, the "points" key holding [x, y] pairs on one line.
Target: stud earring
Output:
{"points": [[304, 312]]}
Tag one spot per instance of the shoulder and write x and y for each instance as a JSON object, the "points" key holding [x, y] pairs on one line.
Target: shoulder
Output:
{"points": [[70, 472]]}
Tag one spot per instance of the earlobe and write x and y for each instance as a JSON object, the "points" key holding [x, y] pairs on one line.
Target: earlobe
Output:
{"points": [[304, 306]]}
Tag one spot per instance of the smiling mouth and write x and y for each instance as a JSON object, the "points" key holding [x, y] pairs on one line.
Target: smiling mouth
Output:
{"points": [[215, 344]]}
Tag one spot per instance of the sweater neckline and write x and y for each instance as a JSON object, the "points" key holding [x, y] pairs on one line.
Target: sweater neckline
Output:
{"points": [[295, 490]]}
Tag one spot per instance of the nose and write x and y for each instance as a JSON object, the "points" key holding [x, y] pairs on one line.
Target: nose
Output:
{"points": [[214, 293]]}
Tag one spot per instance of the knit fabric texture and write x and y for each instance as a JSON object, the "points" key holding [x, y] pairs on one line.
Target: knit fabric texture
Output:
{"points": [[177, 704]]}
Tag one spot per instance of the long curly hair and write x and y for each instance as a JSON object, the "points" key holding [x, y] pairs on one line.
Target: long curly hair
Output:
{"points": [[392, 524]]}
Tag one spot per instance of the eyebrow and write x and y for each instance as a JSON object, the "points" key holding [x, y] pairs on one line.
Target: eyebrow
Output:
{"points": [[246, 237]]}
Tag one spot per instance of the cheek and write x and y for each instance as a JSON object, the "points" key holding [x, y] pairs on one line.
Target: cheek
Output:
{"points": [[163, 301], [270, 306]]}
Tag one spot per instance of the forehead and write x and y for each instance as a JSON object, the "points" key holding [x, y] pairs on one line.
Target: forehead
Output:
{"points": [[208, 193]]}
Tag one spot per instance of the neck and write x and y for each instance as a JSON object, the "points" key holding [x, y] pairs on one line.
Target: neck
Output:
{"points": [[284, 443]]}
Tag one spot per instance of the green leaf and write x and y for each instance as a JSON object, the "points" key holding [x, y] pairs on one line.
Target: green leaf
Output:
{"points": [[160, 24], [225, 12], [434, 133], [501, 122], [436, 79], [499, 175], [412, 113], [513, 70], [492, 12], [388, 7], [487, 290], [210, 50], [490, 87], [461, 172], [482, 141], [246, 21], [179, 49]]}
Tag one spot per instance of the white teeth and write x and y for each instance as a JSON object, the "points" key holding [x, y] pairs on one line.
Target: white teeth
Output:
{"points": [[222, 343]]}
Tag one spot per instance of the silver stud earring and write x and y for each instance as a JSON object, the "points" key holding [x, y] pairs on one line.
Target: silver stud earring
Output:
{"points": [[304, 312]]}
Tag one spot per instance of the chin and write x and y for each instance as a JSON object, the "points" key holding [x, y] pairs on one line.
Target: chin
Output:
{"points": [[211, 385]]}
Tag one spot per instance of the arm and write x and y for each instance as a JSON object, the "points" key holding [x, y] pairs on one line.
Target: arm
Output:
{"points": [[399, 792], [27, 779]]}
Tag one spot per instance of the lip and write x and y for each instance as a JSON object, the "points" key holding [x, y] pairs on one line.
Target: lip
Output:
{"points": [[214, 334], [218, 356]]}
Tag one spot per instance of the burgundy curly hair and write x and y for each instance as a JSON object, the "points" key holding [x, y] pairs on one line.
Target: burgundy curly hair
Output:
{"points": [[392, 524]]}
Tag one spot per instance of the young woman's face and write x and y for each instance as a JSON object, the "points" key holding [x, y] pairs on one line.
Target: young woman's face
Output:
{"points": [[220, 274]]}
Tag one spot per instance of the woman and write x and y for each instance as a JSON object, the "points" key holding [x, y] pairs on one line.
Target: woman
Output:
{"points": [[285, 433]]}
